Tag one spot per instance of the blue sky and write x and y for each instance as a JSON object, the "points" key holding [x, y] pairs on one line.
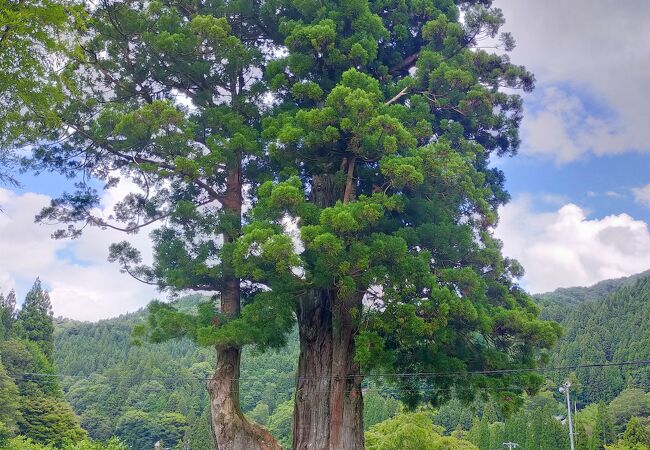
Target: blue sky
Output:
{"points": [[603, 185], [580, 185]]}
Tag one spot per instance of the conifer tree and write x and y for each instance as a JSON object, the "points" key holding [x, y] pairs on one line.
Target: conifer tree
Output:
{"points": [[191, 165], [603, 432], [34, 35], [7, 313], [35, 319], [636, 433], [370, 134], [382, 142]]}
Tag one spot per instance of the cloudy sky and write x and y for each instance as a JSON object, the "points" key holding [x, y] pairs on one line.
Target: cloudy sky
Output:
{"points": [[580, 185]]}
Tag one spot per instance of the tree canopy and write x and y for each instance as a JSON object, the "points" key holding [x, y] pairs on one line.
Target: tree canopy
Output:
{"points": [[366, 129]]}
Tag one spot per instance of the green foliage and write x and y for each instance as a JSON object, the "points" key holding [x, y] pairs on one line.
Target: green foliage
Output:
{"points": [[377, 407], [22, 358], [22, 443], [138, 429], [414, 431], [9, 406], [629, 403], [34, 36], [535, 426], [49, 421], [7, 314], [280, 423], [260, 414], [35, 319], [606, 323], [111, 376], [624, 446], [32, 400], [603, 431], [636, 433]]}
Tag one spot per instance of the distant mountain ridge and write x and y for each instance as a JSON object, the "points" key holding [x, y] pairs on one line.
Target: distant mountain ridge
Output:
{"points": [[579, 294]]}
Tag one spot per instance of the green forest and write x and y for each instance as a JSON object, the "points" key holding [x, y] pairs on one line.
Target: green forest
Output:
{"points": [[316, 186], [111, 391]]}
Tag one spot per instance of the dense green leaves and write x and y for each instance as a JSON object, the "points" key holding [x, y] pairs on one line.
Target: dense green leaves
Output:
{"points": [[35, 320], [413, 431], [9, 407], [32, 401], [605, 323]]}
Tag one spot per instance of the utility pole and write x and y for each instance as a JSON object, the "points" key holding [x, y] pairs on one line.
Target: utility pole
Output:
{"points": [[565, 390], [510, 445], [575, 418]]}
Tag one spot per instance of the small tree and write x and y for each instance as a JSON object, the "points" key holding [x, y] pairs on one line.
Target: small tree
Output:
{"points": [[7, 314], [636, 432], [50, 421], [412, 432], [35, 319]]}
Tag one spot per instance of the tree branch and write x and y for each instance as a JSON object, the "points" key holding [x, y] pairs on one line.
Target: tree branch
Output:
{"points": [[102, 223], [398, 96], [406, 63]]}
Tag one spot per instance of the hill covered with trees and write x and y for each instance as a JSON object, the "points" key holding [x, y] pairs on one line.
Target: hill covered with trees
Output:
{"points": [[66, 381], [608, 322], [150, 392]]}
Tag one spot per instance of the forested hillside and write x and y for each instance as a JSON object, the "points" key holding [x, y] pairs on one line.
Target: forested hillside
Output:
{"points": [[149, 392], [33, 410], [609, 322]]}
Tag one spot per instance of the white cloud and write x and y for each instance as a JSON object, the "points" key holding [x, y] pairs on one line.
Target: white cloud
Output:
{"points": [[566, 248], [642, 194], [608, 194], [599, 48], [82, 284]]}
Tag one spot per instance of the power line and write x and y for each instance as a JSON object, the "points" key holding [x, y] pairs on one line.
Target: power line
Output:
{"points": [[369, 375]]}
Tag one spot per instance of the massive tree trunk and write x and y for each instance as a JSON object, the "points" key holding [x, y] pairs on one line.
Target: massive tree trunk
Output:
{"points": [[346, 400], [328, 413], [230, 429], [311, 415]]}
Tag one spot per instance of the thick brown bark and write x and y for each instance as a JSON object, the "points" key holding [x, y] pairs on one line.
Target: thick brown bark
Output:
{"points": [[346, 400], [328, 412], [311, 415], [230, 429]]}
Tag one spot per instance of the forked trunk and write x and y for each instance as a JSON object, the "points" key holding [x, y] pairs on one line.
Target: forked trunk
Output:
{"points": [[230, 429], [328, 412]]}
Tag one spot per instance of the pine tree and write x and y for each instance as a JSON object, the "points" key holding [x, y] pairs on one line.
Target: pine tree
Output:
{"points": [[194, 166], [382, 148], [50, 421], [7, 314], [35, 319]]}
